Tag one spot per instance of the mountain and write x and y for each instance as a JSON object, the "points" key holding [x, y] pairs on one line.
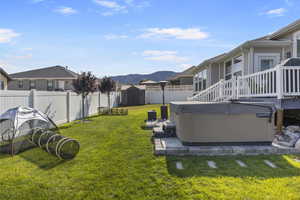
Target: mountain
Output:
{"points": [[136, 78]]}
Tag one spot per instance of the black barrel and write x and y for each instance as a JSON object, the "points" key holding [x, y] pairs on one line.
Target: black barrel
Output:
{"points": [[152, 115]]}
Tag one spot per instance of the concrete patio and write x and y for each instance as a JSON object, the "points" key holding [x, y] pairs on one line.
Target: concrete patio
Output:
{"points": [[173, 146]]}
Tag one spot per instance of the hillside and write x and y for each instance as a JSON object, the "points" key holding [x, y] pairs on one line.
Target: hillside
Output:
{"points": [[136, 78]]}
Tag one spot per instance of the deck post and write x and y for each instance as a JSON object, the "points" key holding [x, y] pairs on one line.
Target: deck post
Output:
{"points": [[279, 82], [279, 123]]}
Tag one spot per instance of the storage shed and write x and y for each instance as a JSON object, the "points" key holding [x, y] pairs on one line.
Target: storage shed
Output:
{"points": [[133, 95]]}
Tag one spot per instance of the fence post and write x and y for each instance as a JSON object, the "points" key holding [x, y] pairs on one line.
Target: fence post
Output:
{"points": [[279, 82], [68, 106], [33, 98]]}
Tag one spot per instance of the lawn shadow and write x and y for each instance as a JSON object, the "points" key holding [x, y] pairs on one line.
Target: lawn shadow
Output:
{"points": [[228, 167], [41, 158]]}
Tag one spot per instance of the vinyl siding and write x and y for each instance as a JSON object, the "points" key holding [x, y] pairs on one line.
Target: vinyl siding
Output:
{"points": [[4, 79]]}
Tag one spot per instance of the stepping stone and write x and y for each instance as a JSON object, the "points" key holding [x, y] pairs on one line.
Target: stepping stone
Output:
{"points": [[179, 165], [270, 164], [241, 163], [212, 164]]}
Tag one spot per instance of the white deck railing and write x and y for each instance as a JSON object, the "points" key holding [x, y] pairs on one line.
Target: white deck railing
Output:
{"points": [[280, 81]]}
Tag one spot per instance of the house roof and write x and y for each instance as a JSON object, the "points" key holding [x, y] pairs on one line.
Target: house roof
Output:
{"points": [[125, 87], [5, 74], [186, 73], [55, 72], [289, 28], [268, 40], [148, 82]]}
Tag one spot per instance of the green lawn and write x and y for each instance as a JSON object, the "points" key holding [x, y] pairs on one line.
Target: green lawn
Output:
{"points": [[116, 162]]}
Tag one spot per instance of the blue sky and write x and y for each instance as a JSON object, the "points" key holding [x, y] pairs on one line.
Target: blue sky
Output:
{"points": [[112, 37]]}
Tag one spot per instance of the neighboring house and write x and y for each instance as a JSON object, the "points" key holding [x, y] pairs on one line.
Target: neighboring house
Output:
{"points": [[249, 69], [4, 79], [149, 83], [55, 78], [185, 77]]}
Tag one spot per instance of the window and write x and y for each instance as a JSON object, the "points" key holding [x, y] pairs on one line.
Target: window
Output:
{"points": [[20, 84], [1, 85], [288, 55], [266, 64], [228, 70], [50, 84], [32, 84], [298, 48], [204, 73], [264, 61], [201, 80]]}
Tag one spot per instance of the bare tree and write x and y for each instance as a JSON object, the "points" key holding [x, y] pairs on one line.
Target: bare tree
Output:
{"points": [[107, 85], [84, 85]]}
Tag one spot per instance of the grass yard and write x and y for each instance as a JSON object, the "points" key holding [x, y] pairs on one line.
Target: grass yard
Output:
{"points": [[116, 162]]}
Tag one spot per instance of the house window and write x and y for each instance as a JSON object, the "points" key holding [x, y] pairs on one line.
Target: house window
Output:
{"points": [[266, 64], [50, 85], [228, 70], [288, 55], [201, 80], [1, 85], [264, 61], [32, 84], [298, 48], [204, 83], [20, 83]]}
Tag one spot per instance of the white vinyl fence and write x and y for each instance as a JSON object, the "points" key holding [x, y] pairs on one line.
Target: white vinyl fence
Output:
{"points": [[61, 107], [172, 93]]}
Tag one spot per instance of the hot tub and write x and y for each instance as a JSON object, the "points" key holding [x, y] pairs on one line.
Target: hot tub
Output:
{"points": [[226, 122]]}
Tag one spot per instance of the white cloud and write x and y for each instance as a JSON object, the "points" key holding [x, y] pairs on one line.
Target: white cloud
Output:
{"points": [[37, 1], [177, 33], [6, 35], [27, 49], [164, 56], [66, 10], [26, 56], [276, 12], [111, 5], [114, 37], [114, 7], [137, 3]]}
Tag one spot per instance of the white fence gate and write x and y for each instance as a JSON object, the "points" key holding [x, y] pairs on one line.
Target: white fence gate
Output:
{"points": [[61, 107]]}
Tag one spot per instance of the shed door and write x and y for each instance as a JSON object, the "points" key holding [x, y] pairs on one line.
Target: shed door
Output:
{"points": [[133, 96]]}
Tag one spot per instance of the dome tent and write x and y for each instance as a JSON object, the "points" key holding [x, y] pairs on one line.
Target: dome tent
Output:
{"points": [[23, 127], [22, 120]]}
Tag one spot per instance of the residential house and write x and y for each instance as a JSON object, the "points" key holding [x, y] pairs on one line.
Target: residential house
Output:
{"points": [[185, 77], [4, 79], [148, 83], [249, 69], [56, 78]]}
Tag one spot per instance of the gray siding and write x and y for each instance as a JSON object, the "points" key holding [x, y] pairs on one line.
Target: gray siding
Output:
{"points": [[186, 81], [214, 73], [41, 85]]}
